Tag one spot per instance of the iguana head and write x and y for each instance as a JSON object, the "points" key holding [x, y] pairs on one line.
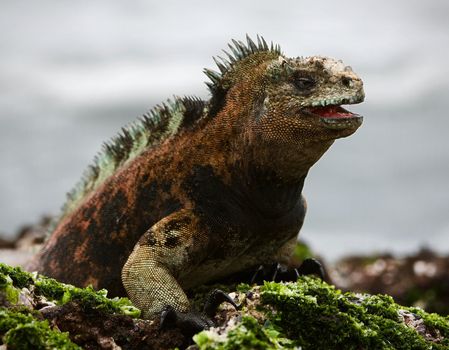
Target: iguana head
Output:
{"points": [[304, 94], [288, 105], [311, 91]]}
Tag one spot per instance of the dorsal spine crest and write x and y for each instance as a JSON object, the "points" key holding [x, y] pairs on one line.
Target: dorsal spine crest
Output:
{"points": [[239, 51], [162, 122]]}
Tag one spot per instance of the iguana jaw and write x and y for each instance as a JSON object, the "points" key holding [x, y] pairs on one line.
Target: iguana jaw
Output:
{"points": [[333, 116]]}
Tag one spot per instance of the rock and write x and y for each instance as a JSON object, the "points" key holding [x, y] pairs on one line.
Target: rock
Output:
{"points": [[421, 279], [29, 239], [310, 314], [307, 314], [48, 309]]}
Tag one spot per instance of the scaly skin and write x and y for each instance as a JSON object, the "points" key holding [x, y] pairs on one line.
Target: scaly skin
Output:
{"points": [[218, 193]]}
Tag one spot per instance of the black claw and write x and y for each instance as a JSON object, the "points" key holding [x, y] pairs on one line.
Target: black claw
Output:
{"points": [[267, 272], [190, 323], [280, 273], [276, 269], [284, 273], [168, 317], [274, 272], [214, 300], [311, 267], [259, 271]]}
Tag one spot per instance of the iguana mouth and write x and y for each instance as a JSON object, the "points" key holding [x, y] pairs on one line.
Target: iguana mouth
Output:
{"points": [[335, 117]]}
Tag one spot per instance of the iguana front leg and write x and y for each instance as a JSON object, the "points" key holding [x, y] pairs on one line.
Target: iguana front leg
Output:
{"points": [[149, 275]]}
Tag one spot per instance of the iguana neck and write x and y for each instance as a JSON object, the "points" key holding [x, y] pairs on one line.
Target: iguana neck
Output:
{"points": [[270, 170], [272, 196], [274, 178]]}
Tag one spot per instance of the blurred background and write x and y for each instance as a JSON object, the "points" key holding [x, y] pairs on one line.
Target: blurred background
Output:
{"points": [[72, 73]]}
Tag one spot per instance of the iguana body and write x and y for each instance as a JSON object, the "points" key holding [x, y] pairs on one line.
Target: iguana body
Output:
{"points": [[199, 190]]}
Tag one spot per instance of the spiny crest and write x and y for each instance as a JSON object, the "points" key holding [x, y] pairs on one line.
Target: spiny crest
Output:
{"points": [[239, 51], [160, 123]]}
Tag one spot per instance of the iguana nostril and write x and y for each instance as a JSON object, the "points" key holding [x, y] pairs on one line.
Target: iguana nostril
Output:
{"points": [[347, 82]]}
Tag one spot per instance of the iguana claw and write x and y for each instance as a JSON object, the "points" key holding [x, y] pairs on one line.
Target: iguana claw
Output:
{"points": [[311, 267], [193, 322], [190, 322], [215, 299], [278, 272]]}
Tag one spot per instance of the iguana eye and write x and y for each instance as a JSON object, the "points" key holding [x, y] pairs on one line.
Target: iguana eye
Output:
{"points": [[304, 83]]}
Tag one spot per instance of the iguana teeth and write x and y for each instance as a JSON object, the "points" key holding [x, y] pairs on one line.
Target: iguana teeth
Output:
{"points": [[336, 101]]}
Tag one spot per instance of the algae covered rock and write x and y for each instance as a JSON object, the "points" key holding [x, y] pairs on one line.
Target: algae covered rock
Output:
{"points": [[23, 288], [21, 329], [37, 312], [311, 314], [418, 279], [40, 313], [20, 326]]}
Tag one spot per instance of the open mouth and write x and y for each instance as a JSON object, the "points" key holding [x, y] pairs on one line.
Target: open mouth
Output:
{"points": [[335, 117]]}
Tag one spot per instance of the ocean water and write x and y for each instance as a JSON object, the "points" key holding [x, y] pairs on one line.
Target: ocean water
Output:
{"points": [[73, 73]]}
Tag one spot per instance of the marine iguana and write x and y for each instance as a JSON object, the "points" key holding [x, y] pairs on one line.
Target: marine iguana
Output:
{"points": [[197, 190]]}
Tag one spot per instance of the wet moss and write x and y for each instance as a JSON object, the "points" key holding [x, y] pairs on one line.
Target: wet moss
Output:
{"points": [[314, 315], [20, 278], [434, 321], [87, 297], [21, 330], [248, 335], [11, 293], [309, 314], [308, 309], [13, 279]]}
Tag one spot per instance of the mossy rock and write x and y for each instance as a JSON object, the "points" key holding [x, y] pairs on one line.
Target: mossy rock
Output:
{"points": [[15, 283], [307, 314], [22, 327], [310, 314]]}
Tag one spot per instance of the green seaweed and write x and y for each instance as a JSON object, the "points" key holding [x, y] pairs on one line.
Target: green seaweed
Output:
{"points": [[20, 278], [7, 286], [21, 330], [307, 314], [434, 321], [311, 307], [310, 314], [248, 335], [13, 279], [87, 297]]}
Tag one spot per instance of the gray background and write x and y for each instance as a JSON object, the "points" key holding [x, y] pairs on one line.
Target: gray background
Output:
{"points": [[72, 73]]}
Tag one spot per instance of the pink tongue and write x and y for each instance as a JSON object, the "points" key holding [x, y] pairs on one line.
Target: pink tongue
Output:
{"points": [[332, 112]]}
